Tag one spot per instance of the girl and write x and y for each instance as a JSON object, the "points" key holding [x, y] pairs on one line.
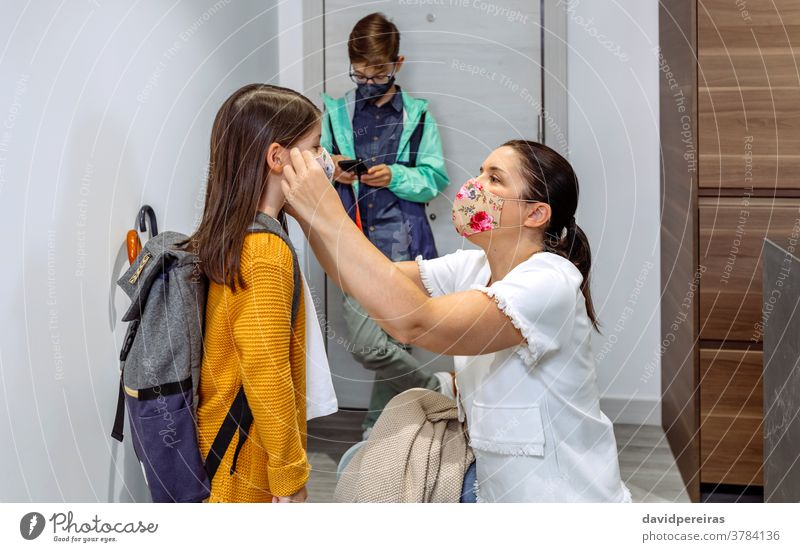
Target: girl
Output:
{"points": [[517, 315], [255, 314]]}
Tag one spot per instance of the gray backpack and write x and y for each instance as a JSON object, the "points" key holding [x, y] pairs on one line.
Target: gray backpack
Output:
{"points": [[160, 365]]}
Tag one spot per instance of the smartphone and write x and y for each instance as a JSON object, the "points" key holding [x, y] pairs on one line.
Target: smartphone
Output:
{"points": [[355, 166]]}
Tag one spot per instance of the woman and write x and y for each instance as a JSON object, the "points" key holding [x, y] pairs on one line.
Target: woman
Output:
{"points": [[255, 340], [516, 314]]}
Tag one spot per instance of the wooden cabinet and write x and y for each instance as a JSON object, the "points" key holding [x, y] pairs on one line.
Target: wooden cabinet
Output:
{"points": [[730, 416], [748, 93], [731, 238], [729, 97]]}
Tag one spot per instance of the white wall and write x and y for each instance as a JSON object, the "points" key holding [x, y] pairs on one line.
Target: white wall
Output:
{"points": [[104, 106], [613, 130]]}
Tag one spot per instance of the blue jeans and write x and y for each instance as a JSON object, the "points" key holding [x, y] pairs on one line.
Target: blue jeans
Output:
{"points": [[468, 488]]}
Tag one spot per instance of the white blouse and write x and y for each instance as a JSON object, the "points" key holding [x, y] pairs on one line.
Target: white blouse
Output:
{"points": [[533, 410]]}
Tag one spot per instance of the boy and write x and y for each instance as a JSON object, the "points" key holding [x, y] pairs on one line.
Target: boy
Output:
{"points": [[397, 139]]}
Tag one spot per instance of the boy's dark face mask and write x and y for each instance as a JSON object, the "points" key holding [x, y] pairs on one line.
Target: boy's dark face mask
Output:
{"points": [[371, 91]]}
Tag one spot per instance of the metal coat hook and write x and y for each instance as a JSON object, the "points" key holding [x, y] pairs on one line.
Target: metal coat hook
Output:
{"points": [[152, 227]]}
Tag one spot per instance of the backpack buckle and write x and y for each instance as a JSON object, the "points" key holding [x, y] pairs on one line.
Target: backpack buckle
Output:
{"points": [[129, 337]]}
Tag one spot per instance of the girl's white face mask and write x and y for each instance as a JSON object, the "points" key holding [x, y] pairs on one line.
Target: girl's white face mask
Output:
{"points": [[326, 162]]}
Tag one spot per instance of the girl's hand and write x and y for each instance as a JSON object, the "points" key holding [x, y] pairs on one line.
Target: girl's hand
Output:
{"points": [[379, 175], [308, 191], [299, 496]]}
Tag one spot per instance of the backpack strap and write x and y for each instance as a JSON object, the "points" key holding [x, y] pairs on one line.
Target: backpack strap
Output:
{"points": [[265, 223], [334, 145], [415, 140], [119, 418], [239, 416]]}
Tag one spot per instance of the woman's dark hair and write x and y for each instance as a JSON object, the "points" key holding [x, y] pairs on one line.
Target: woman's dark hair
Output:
{"points": [[251, 119], [552, 180]]}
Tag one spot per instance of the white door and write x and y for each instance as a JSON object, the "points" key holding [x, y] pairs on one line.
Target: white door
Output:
{"points": [[478, 64]]}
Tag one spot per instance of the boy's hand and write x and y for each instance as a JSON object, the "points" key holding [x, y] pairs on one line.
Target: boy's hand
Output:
{"points": [[379, 175], [339, 175]]}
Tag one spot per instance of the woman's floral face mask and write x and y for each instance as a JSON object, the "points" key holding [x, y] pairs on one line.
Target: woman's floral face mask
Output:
{"points": [[476, 209]]}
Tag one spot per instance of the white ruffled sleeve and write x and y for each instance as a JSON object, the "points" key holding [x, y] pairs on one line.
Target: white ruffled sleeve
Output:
{"points": [[441, 275], [541, 303]]}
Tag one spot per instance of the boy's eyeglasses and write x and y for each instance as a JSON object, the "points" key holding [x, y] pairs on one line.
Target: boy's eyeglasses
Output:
{"points": [[358, 78]]}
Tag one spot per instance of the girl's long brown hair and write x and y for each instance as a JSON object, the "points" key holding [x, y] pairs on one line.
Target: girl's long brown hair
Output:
{"points": [[552, 180], [251, 119]]}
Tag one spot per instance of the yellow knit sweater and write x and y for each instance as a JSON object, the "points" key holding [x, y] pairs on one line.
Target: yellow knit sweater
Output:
{"points": [[249, 339]]}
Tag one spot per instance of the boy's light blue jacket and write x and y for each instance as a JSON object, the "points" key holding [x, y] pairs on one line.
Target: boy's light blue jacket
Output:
{"points": [[421, 183], [396, 221]]}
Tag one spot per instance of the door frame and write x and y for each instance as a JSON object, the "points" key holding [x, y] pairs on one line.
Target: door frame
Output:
{"points": [[553, 109]]}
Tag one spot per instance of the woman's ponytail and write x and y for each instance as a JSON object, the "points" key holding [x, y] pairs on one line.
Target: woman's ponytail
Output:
{"points": [[553, 181], [574, 245]]}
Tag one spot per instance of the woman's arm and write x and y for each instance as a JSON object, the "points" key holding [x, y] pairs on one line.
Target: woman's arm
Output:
{"points": [[410, 270], [465, 323]]}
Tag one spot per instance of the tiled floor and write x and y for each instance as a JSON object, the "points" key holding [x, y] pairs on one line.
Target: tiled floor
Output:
{"points": [[646, 462]]}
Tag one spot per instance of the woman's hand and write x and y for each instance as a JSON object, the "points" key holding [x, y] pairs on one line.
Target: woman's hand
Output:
{"points": [[309, 192], [299, 496]]}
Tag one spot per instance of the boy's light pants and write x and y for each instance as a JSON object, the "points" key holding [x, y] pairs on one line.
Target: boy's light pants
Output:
{"points": [[396, 370]]}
